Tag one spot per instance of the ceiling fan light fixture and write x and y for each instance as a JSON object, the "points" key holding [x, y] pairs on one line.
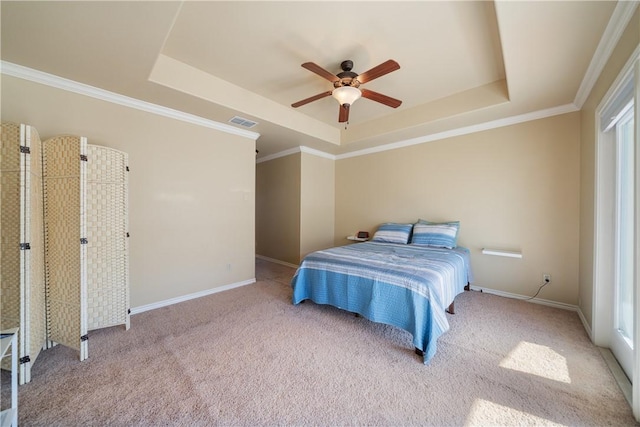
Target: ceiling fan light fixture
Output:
{"points": [[346, 94]]}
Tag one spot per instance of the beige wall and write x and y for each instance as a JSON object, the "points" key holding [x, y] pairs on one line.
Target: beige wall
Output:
{"points": [[191, 189], [514, 188], [317, 203], [628, 42], [295, 202], [278, 208]]}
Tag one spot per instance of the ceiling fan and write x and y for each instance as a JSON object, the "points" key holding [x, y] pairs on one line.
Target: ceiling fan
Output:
{"points": [[347, 86]]}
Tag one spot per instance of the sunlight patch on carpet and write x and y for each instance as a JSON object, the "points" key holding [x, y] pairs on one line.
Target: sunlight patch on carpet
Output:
{"points": [[486, 413], [537, 360]]}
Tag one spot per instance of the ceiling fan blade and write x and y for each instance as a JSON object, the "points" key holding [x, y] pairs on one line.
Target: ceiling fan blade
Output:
{"points": [[383, 99], [311, 99], [343, 115], [379, 71], [314, 68]]}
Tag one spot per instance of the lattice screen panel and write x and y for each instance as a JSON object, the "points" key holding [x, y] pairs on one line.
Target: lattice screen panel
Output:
{"points": [[11, 205], [107, 248], [64, 171], [22, 292], [36, 304]]}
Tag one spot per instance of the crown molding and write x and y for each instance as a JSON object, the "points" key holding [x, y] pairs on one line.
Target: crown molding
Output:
{"points": [[25, 73], [317, 153], [617, 24], [294, 150], [507, 121], [279, 154]]}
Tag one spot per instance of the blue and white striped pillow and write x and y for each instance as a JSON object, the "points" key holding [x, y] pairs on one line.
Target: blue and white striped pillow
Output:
{"points": [[391, 232], [439, 235]]}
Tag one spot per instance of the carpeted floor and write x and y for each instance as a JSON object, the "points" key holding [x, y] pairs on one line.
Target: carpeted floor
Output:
{"points": [[249, 357]]}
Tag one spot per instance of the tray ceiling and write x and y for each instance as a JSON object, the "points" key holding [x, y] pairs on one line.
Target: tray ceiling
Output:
{"points": [[462, 63]]}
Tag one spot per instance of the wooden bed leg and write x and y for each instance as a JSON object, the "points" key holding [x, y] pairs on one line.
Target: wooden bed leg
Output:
{"points": [[452, 309], [419, 352]]}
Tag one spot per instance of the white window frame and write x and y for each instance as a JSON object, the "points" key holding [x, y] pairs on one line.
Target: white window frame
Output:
{"points": [[604, 232]]}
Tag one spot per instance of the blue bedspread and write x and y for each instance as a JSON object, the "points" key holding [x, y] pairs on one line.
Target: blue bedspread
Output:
{"points": [[407, 286]]}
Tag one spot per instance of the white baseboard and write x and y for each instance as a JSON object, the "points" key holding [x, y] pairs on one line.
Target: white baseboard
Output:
{"points": [[618, 374], [585, 324], [171, 301], [276, 261], [541, 301]]}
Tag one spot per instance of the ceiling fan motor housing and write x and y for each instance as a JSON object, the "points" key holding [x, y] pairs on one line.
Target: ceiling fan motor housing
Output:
{"points": [[347, 77], [347, 65]]}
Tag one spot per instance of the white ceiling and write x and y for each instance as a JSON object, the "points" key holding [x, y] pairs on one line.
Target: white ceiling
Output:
{"points": [[462, 63]]}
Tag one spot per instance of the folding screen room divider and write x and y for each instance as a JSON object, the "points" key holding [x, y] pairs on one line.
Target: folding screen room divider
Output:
{"points": [[64, 256]]}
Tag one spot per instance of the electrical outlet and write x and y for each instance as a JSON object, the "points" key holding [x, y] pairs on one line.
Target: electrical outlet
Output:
{"points": [[546, 278]]}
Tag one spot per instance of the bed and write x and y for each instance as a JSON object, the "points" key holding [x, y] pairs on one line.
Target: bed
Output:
{"points": [[405, 285]]}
